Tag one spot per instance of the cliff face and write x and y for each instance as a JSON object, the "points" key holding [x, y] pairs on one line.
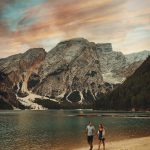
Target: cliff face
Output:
{"points": [[78, 71], [8, 99], [71, 69], [74, 69], [111, 63], [19, 67]]}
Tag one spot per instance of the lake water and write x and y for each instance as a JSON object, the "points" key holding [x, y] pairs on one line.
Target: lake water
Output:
{"points": [[65, 129]]}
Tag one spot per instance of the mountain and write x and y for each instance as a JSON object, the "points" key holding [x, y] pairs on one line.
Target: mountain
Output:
{"points": [[70, 69], [132, 94], [133, 61], [135, 57], [15, 72], [20, 67], [74, 71], [74, 74]]}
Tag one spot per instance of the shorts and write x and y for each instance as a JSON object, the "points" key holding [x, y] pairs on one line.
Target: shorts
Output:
{"points": [[90, 139], [101, 139]]}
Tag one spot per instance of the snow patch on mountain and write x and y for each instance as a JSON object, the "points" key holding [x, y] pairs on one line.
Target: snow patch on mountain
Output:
{"points": [[29, 101], [112, 78]]}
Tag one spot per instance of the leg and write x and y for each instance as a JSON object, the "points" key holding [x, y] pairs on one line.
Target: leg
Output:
{"points": [[99, 144], [103, 144], [91, 142], [88, 140], [91, 146]]}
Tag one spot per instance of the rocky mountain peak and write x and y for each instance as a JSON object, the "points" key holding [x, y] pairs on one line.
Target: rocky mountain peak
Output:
{"points": [[63, 55], [33, 53], [104, 47], [78, 40]]}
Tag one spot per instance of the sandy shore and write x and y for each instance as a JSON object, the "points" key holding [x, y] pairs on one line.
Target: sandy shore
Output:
{"points": [[130, 144]]}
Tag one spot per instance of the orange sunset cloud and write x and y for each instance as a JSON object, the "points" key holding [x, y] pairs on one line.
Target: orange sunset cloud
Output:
{"points": [[44, 23]]}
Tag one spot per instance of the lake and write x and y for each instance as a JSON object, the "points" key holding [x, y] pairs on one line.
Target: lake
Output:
{"points": [[65, 129]]}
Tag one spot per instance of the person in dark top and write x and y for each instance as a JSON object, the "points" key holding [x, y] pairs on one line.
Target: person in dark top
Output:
{"points": [[101, 138]]}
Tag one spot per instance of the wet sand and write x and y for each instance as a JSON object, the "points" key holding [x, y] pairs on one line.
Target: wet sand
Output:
{"points": [[130, 144]]}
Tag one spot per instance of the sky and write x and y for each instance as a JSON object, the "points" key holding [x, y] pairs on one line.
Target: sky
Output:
{"points": [[27, 24]]}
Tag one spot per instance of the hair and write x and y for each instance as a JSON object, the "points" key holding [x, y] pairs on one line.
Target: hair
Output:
{"points": [[101, 125]]}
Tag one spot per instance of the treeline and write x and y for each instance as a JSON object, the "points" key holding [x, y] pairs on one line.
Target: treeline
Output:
{"points": [[133, 93]]}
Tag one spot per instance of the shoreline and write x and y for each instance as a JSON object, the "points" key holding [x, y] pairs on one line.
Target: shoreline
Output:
{"points": [[142, 143]]}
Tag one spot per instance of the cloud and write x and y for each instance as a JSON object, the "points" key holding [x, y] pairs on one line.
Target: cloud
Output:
{"points": [[45, 22]]}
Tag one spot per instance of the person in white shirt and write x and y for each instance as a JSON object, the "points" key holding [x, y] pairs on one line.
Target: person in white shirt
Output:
{"points": [[101, 136], [90, 131]]}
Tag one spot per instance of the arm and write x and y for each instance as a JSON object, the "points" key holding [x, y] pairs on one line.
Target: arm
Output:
{"points": [[97, 133], [86, 131], [103, 133], [94, 130]]}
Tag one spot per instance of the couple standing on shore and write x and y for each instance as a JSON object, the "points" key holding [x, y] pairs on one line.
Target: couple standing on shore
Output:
{"points": [[90, 131]]}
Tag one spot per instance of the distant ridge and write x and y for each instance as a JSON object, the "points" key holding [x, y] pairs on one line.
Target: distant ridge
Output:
{"points": [[139, 56]]}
